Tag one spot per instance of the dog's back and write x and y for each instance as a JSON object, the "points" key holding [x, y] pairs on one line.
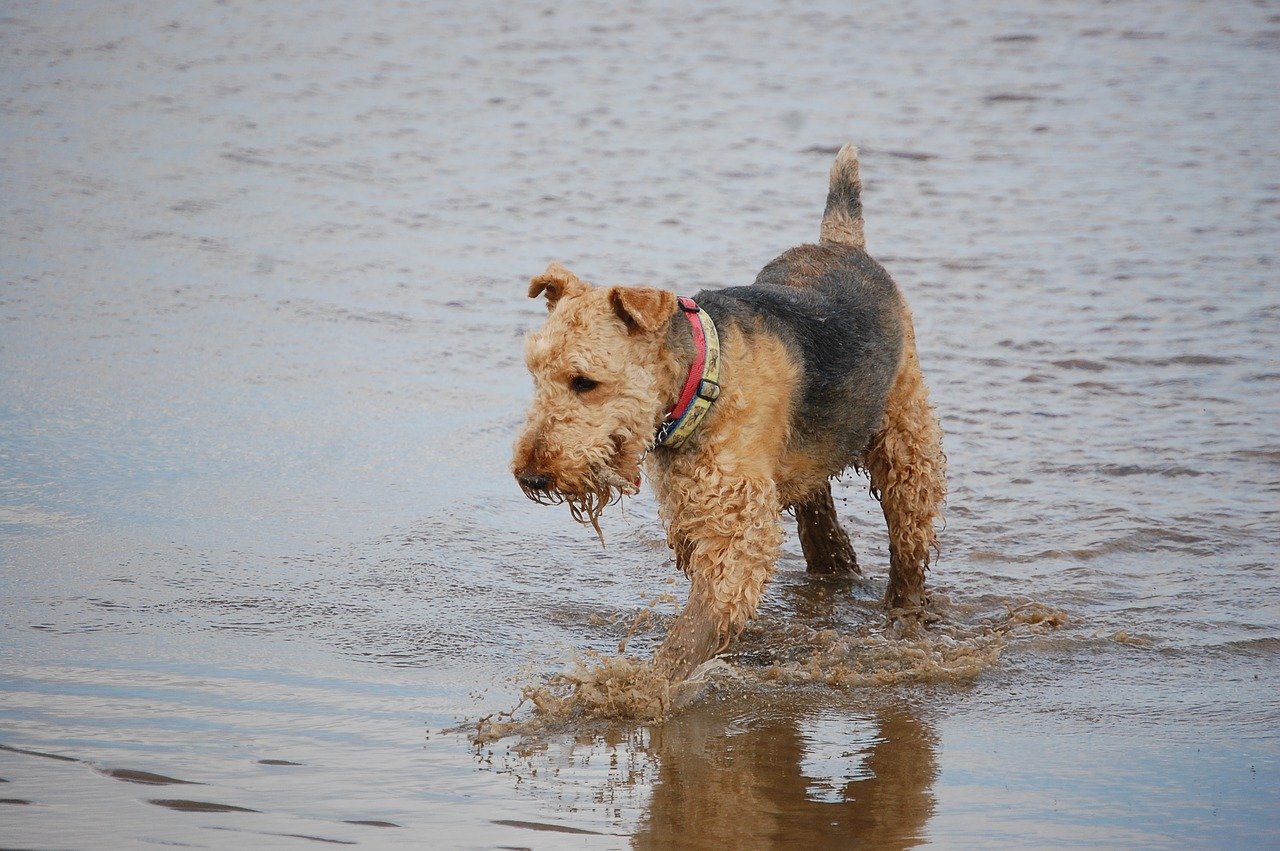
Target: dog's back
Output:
{"points": [[839, 314]]}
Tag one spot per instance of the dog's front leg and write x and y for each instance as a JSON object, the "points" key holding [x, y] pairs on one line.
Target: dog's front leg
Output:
{"points": [[726, 535]]}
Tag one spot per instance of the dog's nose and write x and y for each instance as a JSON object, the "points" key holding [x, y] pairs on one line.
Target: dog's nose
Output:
{"points": [[534, 481]]}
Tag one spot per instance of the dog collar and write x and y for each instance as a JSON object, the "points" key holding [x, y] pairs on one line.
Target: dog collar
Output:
{"points": [[701, 387]]}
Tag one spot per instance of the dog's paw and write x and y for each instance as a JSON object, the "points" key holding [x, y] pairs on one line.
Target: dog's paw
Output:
{"points": [[709, 673]]}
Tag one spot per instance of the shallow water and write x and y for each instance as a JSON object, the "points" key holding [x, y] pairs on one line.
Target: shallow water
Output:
{"points": [[260, 370]]}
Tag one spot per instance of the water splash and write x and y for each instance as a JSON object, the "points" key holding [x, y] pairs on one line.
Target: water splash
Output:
{"points": [[958, 645]]}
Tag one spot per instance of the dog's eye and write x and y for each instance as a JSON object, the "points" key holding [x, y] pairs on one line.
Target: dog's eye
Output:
{"points": [[582, 384]]}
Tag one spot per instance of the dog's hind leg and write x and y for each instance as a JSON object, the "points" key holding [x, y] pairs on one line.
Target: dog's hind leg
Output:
{"points": [[908, 476], [826, 547]]}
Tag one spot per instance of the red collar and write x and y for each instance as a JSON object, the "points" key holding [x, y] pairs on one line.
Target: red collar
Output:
{"points": [[701, 386], [689, 308]]}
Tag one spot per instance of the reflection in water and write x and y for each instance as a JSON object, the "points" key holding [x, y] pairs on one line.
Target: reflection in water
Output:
{"points": [[753, 783], [771, 771]]}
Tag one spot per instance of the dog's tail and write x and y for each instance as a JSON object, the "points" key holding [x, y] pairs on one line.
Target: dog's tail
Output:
{"points": [[842, 221]]}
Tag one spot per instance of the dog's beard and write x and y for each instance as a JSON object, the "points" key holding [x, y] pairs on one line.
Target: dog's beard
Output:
{"points": [[601, 489]]}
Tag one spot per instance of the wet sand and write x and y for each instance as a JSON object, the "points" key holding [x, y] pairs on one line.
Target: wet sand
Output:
{"points": [[263, 565]]}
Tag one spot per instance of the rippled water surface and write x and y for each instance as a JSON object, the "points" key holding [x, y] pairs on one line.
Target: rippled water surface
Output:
{"points": [[263, 565]]}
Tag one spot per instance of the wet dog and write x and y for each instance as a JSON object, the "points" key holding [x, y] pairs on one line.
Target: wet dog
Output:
{"points": [[741, 403]]}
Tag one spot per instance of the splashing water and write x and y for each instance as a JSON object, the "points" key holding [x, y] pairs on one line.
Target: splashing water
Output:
{"points": [[958, 645]]}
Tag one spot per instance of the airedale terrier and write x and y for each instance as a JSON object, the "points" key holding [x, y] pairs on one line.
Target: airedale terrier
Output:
{"points": [[741, 403]]}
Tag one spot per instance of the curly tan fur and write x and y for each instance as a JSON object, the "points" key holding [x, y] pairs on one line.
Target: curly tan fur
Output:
{"points": [[590, 443], [908, 476], [719, 499]]}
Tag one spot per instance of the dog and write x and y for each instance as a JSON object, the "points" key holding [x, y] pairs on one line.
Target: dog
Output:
{"points": [[742, 403]]}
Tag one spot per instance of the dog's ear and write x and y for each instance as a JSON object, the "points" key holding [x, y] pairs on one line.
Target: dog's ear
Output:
{"points": [[643, 308], [556, 283]]}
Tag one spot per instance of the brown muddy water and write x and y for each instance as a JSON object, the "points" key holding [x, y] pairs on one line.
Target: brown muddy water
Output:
{"points": [[260, 370]]}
